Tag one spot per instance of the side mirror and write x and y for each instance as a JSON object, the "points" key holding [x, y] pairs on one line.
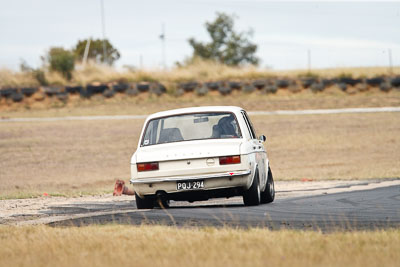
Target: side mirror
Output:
{"points": [[262, 138]]}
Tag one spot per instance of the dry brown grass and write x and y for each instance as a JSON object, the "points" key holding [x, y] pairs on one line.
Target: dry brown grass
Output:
{"points": [[74, 157], [199, 70], [347, 146], [355, 72], [15, 79], [167, 246]]}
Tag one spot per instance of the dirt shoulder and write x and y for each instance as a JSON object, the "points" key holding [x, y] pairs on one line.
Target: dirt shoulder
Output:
{"points": [[145, 103]]}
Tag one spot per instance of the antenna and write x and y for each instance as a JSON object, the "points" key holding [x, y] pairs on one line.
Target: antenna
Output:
{"points": [[162, 37], [103, 27]]}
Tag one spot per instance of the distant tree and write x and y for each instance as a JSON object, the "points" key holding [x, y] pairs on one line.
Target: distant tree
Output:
{"points": [[38, 73], [61, 60], [226, 46], [96, 51]]}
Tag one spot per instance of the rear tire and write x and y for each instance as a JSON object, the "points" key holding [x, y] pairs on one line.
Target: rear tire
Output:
{"points": [[268, 195], [253, 195], [144, 203]]}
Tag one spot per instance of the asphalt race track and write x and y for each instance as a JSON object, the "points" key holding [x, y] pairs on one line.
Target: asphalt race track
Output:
{"points": [[366, 209]]}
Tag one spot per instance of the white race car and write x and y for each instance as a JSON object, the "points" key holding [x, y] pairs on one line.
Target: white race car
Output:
{"points": [[199, 153]]}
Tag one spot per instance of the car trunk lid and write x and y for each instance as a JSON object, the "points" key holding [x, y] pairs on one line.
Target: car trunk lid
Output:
{"points": [[189, 150]]}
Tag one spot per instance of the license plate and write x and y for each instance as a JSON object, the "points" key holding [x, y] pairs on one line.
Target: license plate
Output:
{"points": [[190, 185]]}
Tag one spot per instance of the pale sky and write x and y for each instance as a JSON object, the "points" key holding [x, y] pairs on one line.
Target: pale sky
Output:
{"points": [[338, 34]]}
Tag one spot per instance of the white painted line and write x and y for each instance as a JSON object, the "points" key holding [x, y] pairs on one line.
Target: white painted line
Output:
{"points": [[75, 118], [326, 111], [255, 113]]}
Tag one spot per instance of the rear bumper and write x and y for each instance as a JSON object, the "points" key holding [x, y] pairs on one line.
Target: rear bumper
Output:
{"points": [[150, 186]]}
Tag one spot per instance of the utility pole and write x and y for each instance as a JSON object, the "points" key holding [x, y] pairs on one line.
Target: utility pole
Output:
{"points": [[390, 61], [103, 24], [86, 53], [309, 60], [162, 37]]}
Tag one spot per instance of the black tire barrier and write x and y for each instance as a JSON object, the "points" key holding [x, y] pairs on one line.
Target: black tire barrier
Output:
{"points": [[120, 87], [143, 87], [385, 87], [349, 81], [395, 82], [317, 87], [84, 93], [132, 91], [342, 86], [73, 89], [202, 90], [109, 93], [249, 88], [96, 89], [259, 84], [40, 96], [179, 92], [362, 87], [28, 91], [294, 88], [157, 89], [7, 92], [162, 88], [212, 85], [224, 87], [270, 89], [282, 83], [235, 85], [17, 97], [189, 86], [307, 82], [63, 96], [335, 80], [375, 81], [225, 90], [51, 90], [327, 82]]}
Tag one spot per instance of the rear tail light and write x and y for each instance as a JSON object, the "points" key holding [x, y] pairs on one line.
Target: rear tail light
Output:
{"points": [[149, 166], [229, 160]]}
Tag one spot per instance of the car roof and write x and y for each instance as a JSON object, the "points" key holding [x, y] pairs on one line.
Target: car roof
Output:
{"points": [[195, 110]]}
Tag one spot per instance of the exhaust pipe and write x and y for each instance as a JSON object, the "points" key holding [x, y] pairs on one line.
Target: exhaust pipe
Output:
{"points": [[121, 189], [162, 200]]}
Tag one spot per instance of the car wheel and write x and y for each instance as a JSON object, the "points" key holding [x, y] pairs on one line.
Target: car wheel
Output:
{"points": [[144, 203], [253, 195], [268, 195]]}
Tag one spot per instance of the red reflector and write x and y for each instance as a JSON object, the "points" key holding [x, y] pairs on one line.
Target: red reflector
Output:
{"points": [[150, 166], [229, 160]]}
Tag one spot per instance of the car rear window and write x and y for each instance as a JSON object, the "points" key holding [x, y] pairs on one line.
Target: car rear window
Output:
{"points": [[195, 126]]}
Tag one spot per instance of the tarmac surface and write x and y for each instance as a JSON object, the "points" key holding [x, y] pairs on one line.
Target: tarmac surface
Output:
{"points": [[364, 205]]}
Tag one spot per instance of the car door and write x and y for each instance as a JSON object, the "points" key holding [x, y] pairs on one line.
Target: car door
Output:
{"points": [[258, 148]]}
